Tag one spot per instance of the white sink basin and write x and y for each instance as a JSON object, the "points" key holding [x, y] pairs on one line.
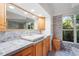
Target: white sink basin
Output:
{"points": [[33, 37]]}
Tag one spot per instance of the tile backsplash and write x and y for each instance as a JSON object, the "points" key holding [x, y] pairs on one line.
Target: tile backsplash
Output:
{"points": [[6, 36]]}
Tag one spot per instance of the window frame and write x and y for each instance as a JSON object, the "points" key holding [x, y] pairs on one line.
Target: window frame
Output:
{"points": [[74, 28]]}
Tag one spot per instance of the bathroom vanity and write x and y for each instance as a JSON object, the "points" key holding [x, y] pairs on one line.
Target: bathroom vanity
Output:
{"points": [[30, 43], [40, 48], [25, 52], [21, 47]]}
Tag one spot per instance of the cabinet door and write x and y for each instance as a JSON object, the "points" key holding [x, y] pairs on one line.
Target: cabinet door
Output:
{"points": [[39, 49], [41, 24], [46, 46], [2, 17], [48, 43], [56, 44], [27, 51], [18, 54], [2, 28], [45, 49]]}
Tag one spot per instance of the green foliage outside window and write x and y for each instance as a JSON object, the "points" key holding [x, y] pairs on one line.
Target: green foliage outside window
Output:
{"points": [[67, 24]]}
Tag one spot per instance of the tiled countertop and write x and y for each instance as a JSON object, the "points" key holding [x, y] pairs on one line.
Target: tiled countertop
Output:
{"points": [[11, 46]]}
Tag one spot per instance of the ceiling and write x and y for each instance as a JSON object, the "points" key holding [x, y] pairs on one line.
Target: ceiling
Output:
{"points": [[56, 8], [59, 8], [38, 10], [48, 9]]}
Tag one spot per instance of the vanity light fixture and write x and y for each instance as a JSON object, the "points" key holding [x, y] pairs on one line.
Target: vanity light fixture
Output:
{"points": [[11, 7]]}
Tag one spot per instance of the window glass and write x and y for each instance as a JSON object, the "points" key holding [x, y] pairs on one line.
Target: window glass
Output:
{"points": [[77, 19], [78, 36], [68, 36], [67, 22]]}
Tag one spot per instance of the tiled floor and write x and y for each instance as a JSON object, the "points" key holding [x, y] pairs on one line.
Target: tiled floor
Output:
{"points": [[61, 53], [51, 53]]}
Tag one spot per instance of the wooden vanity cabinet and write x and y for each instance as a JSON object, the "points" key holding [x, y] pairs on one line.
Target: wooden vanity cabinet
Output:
{"points": [[38, 49], [46, 46], [41, 24], [42, 48], [2, 17], [56, 44], [48, 42], [26, 52]]}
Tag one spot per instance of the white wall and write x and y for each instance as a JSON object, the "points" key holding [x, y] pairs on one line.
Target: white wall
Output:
{"points": [[47, 26]]}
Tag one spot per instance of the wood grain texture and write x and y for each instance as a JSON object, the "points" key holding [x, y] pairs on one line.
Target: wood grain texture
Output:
{"points": [[56, 44], [41, 24], [26, 52], [2, 17], [48, 42], [39, 49], [46, 46]]}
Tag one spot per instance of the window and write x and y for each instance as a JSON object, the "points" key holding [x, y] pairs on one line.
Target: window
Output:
{"points": [[78, 36], [71, 28], [68, 36], [77, 27], [31, 26], [68, 28]]}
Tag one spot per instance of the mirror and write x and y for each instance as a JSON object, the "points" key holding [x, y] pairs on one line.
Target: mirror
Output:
{"points": [[19, 19]]}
